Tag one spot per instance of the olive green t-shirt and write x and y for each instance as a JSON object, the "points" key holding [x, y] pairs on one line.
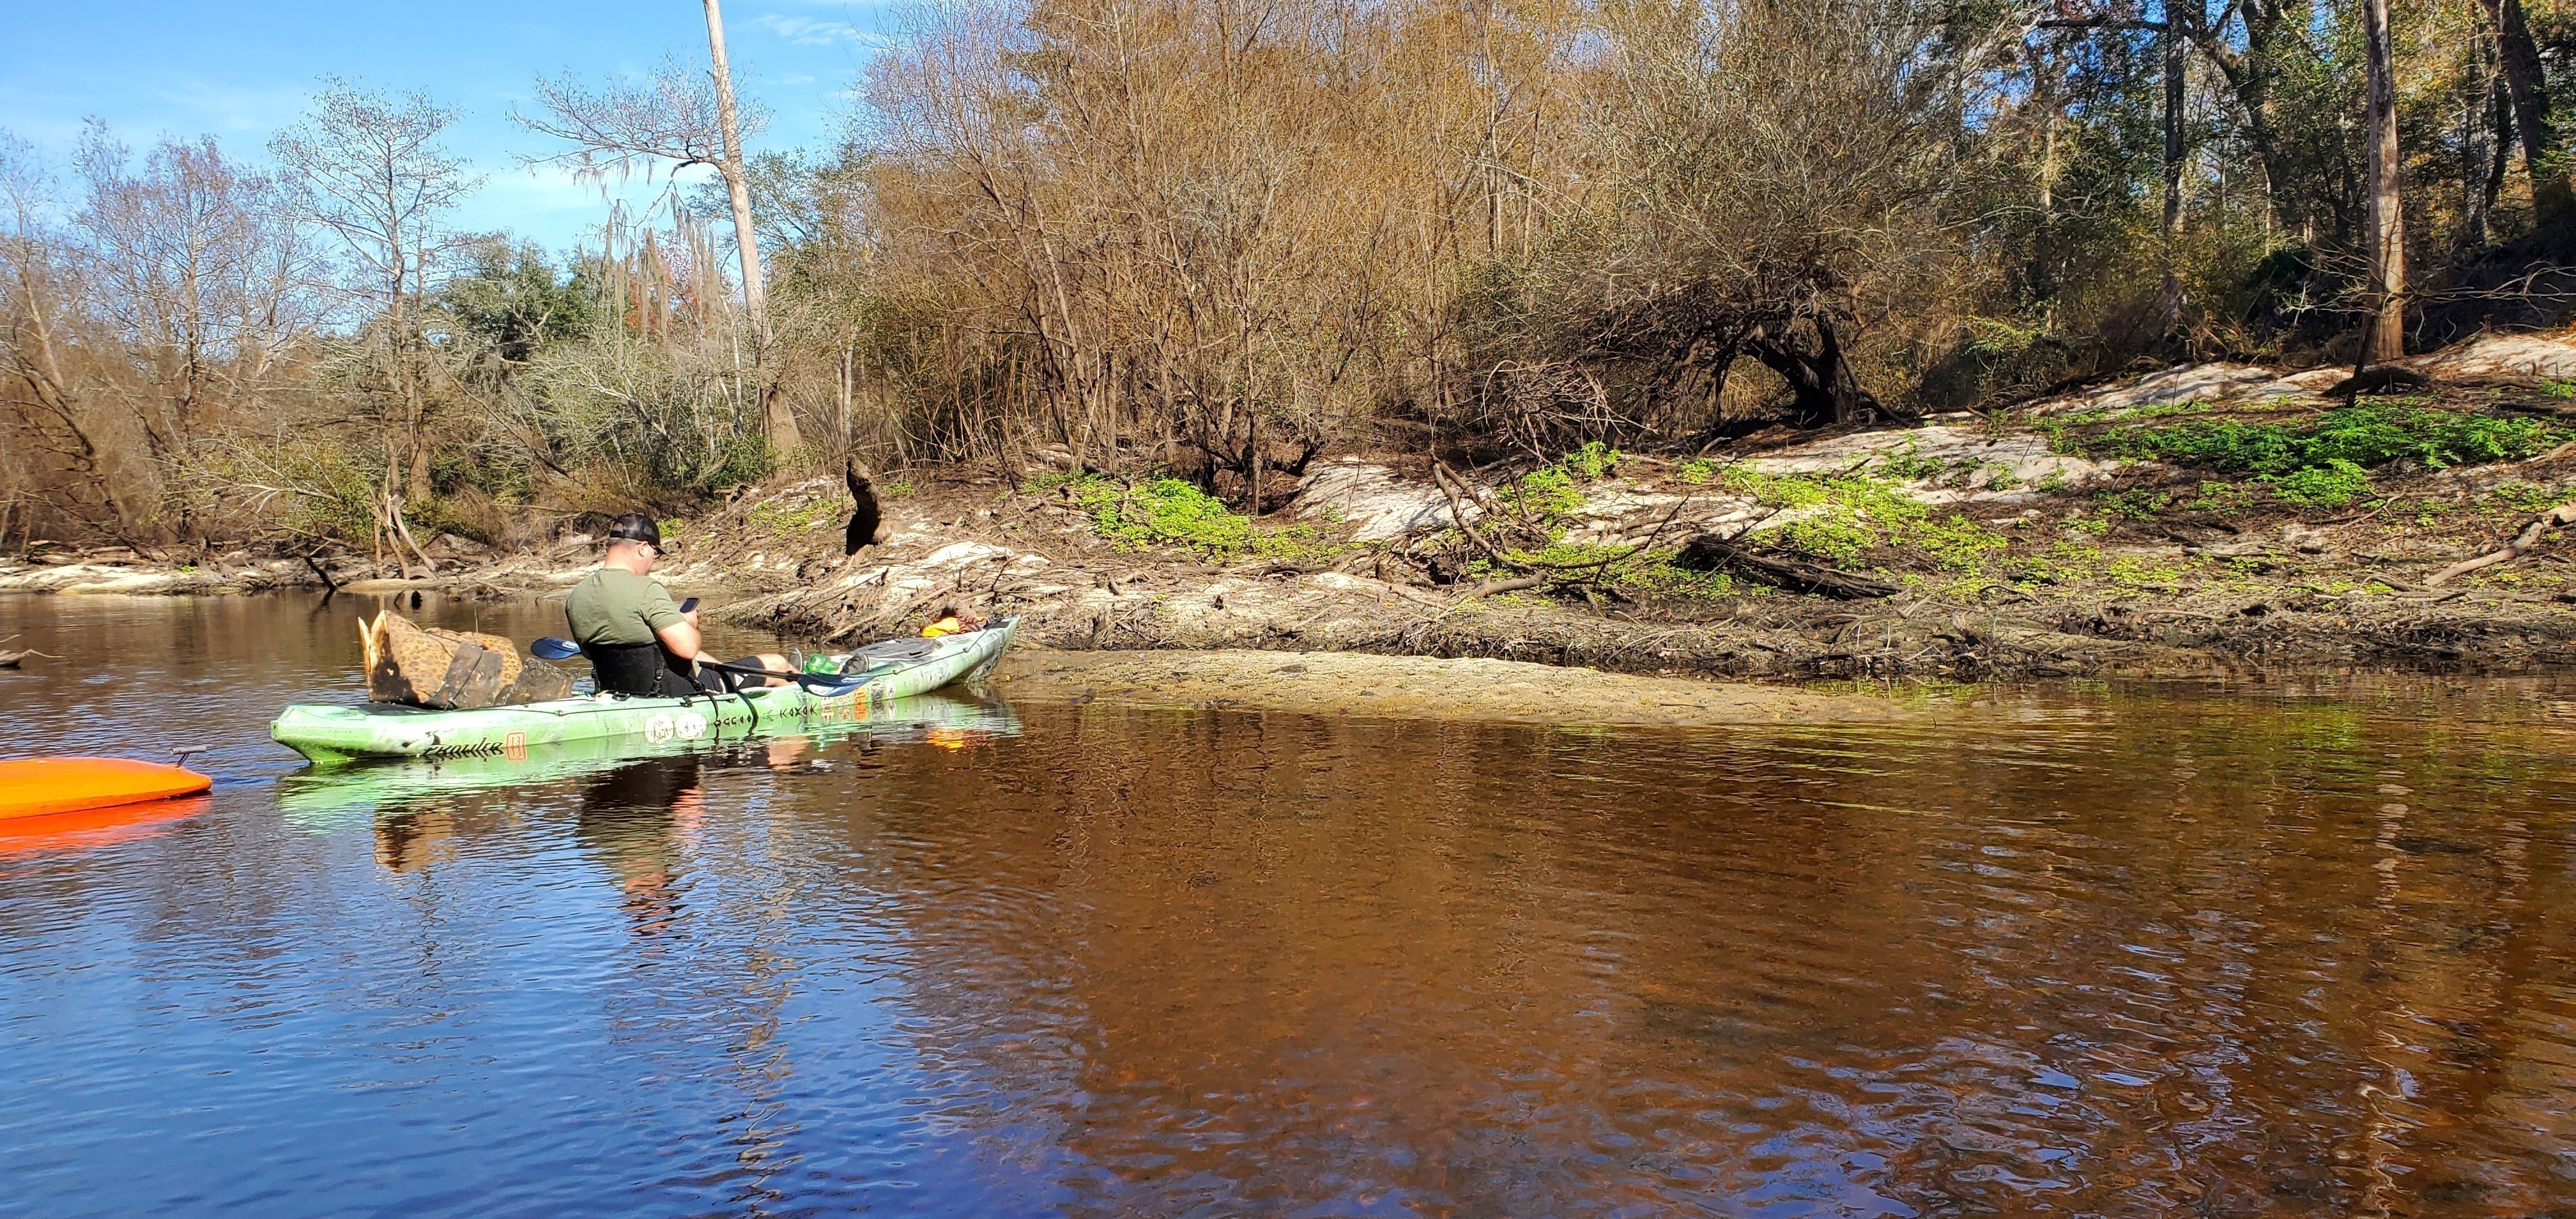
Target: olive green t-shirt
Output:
{"points": [[616, 606]]}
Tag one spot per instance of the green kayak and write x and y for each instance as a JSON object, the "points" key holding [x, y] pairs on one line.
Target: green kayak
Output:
{"points": [[322, 798], [883, 672]]}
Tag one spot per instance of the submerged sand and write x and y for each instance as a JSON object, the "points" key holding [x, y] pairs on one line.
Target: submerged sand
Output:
{"points": [[1416, 687]]}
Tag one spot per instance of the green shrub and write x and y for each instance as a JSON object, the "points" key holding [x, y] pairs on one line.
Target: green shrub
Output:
{"points": [[1171, 512], [2135, 504], [1165, 511], [1554, 490], [784, 515], [1593, 462], [2366, 436], [1546, 493], [2323, 461], [1655, 576], [1851, 515], [2332, 485], [740, 460], [2530, 497], [1912, 465]]}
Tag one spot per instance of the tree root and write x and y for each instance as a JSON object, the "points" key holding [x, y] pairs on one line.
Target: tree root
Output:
{"points": [[1709, 552]]}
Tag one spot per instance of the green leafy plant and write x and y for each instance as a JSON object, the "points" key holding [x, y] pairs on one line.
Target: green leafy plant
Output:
{"points": [[1593, 462], [1171, 512], [2332, 485], [785, 515], [2368, 436], [2134, 504], [1546, 493], [2530, 497], [1163, 511], [2222, 498], [1912, 465], [1846, 516]]}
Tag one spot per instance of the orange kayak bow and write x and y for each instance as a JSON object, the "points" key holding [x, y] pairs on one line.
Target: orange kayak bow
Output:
{"points": [[41, 787]]}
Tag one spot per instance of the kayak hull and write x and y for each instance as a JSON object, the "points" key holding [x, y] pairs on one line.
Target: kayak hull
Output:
{"points": [[43, 787], [325, 797], [331, 735]]}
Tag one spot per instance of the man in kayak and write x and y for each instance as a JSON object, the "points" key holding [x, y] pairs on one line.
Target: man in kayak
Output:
{"points": [[638, 641]]}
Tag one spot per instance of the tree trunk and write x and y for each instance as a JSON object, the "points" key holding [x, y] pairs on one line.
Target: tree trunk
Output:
{"points": [[2552, 200], [2170, 299], [2499, 150], [1826, 392], [777, 421], [2384, 334]]}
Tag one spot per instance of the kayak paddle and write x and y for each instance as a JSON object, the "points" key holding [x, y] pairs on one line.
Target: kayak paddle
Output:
{"points": [[826, 685]]}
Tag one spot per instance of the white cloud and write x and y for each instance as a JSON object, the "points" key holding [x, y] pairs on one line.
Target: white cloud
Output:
{"points": [[807, 31]]}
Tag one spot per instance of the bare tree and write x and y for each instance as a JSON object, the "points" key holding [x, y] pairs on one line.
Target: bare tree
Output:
{"points": [[684, 117], [367, 167], [204, 271], [1783, 173], [63, 448]]}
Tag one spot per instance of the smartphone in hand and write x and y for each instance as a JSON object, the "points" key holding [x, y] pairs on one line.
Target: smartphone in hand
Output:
{"points": [[689, 605]]}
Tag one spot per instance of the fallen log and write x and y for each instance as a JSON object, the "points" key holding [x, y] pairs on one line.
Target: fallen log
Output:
{"points": [[2564, 514], [1709, 552], [2378, 379]]}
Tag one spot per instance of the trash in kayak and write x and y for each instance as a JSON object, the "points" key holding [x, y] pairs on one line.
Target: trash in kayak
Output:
{"points": [[42, 787]]}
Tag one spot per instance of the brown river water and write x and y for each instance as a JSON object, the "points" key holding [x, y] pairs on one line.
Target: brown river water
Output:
{"points": [[2264, 947]]}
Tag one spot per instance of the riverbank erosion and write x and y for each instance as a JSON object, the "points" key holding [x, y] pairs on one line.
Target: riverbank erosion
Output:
{"points": [[2193, 519]]}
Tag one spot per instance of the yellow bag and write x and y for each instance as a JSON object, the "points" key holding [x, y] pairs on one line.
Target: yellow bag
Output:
{"points": [[426, 666]]}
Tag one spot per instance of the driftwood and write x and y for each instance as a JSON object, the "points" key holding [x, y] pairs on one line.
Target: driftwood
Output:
{"points": [[868, 525], [2564, 514], [329, 585], [1585, 574], [1709, 552]]}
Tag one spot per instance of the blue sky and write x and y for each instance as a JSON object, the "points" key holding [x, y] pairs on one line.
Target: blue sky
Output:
{"points": [[240, 71]]}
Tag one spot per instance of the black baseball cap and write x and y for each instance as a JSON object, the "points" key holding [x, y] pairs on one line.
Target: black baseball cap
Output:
{"points": [[635, 527]]}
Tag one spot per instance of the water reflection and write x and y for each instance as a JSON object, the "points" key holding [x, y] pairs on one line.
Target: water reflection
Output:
{"points": [[2134, 950], [633, 821], [63, 834]]}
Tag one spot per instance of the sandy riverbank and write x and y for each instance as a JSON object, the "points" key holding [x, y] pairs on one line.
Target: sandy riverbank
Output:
{"points": [[1414, 687]]}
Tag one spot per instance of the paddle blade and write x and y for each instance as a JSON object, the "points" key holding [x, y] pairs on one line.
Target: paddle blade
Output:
{"points": [[826, 685], [550, 648]]}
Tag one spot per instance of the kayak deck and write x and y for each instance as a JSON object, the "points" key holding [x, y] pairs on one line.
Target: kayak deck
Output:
{"points": [[42, 787], [336, 734]]}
